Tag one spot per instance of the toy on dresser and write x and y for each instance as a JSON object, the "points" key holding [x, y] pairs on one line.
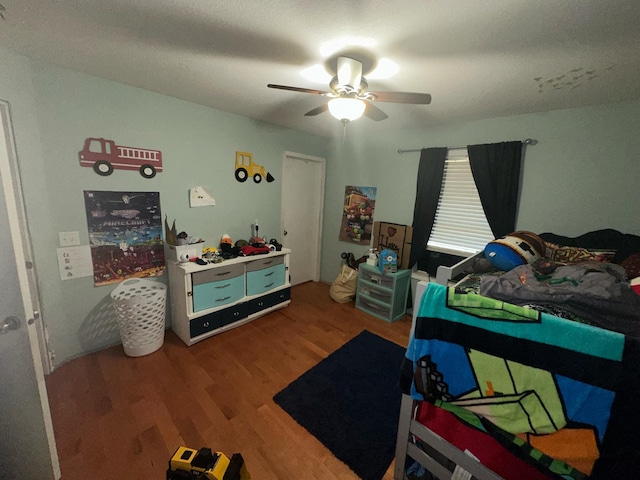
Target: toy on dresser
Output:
{"points": [[388, 261]]}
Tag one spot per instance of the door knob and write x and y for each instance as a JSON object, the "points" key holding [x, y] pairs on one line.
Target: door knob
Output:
{"points": [[9, 323]]}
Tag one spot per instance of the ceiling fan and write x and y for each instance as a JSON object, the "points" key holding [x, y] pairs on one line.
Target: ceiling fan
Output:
{"points": [[350, 98]]}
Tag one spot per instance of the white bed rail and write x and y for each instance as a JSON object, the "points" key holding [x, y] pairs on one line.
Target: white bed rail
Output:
{"points": [[445, 274]]}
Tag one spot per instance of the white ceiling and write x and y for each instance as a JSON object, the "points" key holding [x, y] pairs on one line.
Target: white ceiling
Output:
{"points": [[478, 59]]}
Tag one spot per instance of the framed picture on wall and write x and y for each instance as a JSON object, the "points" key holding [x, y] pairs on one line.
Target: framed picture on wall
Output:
{"points": [[125, 235], [357, 214]]}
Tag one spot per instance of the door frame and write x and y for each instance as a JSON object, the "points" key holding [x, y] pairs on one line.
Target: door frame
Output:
{"points": [[288, 155], [12, 186]]}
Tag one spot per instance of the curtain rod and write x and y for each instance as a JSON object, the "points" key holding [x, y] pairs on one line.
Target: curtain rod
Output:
{"points": [[528, 141]]}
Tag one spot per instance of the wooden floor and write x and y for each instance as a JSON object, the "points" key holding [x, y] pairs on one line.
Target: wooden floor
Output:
{"points": [[117, 417]]}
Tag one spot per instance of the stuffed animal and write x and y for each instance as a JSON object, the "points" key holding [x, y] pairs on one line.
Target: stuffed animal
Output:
{"points": [[517, 248]]}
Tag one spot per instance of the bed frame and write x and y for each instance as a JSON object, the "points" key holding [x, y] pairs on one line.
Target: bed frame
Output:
{"points": [[408, 427], [444, 275], [405, 447], [441, 458]]}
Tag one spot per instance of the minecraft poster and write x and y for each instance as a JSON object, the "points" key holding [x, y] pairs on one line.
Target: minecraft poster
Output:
{"points": [[125, 235], [357, 215]]}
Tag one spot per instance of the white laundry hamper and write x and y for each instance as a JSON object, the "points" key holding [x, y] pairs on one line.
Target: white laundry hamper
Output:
{"points": [[140, 307]]}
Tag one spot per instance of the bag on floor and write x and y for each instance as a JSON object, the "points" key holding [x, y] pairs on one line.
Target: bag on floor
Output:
{"points": [[343, 288]]}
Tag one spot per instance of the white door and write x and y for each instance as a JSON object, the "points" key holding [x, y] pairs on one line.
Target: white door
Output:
{"points": [[27, 446], [302, 203]]}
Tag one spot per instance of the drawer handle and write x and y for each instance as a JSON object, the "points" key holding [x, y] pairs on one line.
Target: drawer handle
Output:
{"points": [[270, 285], [205, 324], [223, 286], [223, 273], [222, 299], [269, 274]]}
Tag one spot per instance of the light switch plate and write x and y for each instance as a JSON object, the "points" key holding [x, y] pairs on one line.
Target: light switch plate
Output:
{"points": [[69, 239]]}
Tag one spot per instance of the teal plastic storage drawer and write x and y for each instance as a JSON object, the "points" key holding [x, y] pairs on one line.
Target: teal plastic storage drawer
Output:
{"points": [[383, 295], [265, 279], [217, 287]]}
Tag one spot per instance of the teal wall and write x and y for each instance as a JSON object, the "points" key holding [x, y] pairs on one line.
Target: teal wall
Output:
{"points": [[54, 110], [582, 175]]}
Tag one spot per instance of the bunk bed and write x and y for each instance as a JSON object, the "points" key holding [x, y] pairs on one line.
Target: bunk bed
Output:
{"points": [[504, 388]]}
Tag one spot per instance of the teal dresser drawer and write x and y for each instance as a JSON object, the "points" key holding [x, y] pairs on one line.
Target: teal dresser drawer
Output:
{"points": [[215, 294], [265, 279]]}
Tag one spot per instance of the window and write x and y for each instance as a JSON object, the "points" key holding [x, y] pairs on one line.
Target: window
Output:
{"points": [[460, 227]]}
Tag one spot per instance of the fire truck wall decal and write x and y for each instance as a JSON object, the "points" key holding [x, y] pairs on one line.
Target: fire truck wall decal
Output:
{"points": [[245, 168], [105, 156]]}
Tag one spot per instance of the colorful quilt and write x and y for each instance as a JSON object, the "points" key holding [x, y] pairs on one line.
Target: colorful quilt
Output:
{"points": [[562, 394]]}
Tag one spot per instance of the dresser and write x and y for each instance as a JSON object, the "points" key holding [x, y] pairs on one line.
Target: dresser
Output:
{"points": [[383, 295], [211, 299]]}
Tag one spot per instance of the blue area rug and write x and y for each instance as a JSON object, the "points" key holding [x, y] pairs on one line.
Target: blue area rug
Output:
{"points": [[350, 401]]}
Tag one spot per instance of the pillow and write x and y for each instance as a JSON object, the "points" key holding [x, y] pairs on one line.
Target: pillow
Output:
{"points": [[561, 254], [517, 248], [632, 265]]}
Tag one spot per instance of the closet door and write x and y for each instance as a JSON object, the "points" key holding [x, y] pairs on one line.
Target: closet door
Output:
{"points": [[27, 445], [302, 206]]}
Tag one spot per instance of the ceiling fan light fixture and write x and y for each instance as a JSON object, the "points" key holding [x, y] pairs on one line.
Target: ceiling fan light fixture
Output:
{"points": [[348, 109]]}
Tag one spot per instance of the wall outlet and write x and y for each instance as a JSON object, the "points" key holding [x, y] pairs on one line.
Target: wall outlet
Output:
{"points": [[69, 239]]}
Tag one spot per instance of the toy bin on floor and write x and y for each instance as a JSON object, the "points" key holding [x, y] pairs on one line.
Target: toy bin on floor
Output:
{"points": [[140, 307]]}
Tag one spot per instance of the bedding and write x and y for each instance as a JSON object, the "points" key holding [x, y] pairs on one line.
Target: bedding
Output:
{"points": [[534, 372], [557, 393], [598, 293]]}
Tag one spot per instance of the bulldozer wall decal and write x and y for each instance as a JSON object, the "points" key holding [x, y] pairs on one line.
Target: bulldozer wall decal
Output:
{"points": [[246, 167]]}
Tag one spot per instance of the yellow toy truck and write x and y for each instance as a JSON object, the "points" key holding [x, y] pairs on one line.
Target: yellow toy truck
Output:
{"points": [[189, 464], [245, 167]]}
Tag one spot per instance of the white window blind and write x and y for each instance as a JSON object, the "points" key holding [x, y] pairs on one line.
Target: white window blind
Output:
{"points": [[460, 227]]}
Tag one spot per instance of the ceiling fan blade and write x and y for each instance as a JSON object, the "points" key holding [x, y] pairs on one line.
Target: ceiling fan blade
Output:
{"points": [[298, 89], [402, 97], [374, 113], [349, 72], [318, 110]]}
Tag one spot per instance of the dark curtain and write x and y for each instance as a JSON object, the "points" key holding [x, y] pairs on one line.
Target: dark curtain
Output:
{"points": [[496, 171], [430, 173]]}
